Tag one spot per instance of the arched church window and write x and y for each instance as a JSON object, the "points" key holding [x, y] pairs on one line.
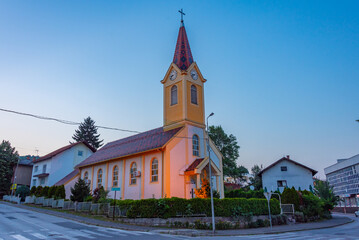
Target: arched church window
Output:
{"points": [[86, 176], [115, 177], [154, 170], [133, 170], [193, 94], [173, 95], [99, 178], [195, 145]]}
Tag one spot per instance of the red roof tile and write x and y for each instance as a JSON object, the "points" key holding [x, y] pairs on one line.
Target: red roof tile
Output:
{"points": [[68, 177], [142, 142], [194, 165], [60, 150], [183, 55]]}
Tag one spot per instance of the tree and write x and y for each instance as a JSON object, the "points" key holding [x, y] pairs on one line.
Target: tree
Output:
{"points": [[8, 159], [23, 191], [325, 192], [205, 190], [256, 180], [87, 132], [80, 191], [228, 146], [60, 192]]}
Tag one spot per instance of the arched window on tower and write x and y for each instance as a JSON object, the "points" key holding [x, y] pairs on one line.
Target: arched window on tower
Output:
{"points": [[154, 170], [173, 95], [115, 177], [133, 170], [195, 145], [99, 178], [194, 94]]}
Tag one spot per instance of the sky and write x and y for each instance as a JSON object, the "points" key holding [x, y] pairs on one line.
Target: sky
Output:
{"points": [[282, 76]]}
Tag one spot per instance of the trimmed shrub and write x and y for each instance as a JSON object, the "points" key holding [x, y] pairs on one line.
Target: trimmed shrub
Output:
{"points": [[51, 192], [60, 192], [38, 191], [172, 207], [33, 190], [241, 193], [23, 191], [291, 196], [312, 207], [45, 191]]}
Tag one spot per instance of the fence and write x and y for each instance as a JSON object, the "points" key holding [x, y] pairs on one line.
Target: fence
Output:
{"points": [[14, 199], [287, 209]]}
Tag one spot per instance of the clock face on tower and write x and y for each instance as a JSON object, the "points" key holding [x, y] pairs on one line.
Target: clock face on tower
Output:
{"points": [[173, 75], [194, 74]]}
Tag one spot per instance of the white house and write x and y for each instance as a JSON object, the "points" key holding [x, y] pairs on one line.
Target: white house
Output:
{"points": [[287, 173], [55, 166]]}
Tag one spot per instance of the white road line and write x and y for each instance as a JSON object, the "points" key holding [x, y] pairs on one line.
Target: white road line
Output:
{"points": [[38, 235], [19, 237], [109, 231], [126, 232]]}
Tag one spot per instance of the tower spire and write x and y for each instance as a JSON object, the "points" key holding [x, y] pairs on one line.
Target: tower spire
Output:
{"points": [[183, 55]]}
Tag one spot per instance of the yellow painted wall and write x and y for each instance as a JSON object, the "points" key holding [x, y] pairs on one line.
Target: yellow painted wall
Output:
{"points": [[173, 113], [195, 112]]}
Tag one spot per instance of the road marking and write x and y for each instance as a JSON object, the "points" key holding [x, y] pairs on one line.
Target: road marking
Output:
{"points": [[126, 232], [19, 237], [38, 235]]}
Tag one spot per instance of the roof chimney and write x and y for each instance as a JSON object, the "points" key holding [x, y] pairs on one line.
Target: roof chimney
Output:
{"points": [[287, 156]]}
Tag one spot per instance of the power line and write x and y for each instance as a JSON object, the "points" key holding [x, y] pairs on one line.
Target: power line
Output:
{"points": [[72, 122]]}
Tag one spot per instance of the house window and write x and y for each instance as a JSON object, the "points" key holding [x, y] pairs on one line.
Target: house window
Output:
{"points": [[282, 183], [193, 94], [44, 168], [133, 170], [34, 182], [42, 181], [173, 95], [99, 178], [283, 168], [86, 176], [115, 177], [36, 168], [195, 145], [154, 170], [80, 153]]}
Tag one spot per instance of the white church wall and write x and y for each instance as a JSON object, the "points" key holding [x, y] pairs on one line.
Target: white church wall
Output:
{"points": [[111, 167], [132, 191]]}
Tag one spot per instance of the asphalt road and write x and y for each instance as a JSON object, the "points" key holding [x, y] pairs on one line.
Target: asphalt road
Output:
{"points": [[23, 224]]}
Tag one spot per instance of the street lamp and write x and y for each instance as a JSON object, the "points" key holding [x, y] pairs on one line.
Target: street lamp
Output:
{"points": [[210, 176]]}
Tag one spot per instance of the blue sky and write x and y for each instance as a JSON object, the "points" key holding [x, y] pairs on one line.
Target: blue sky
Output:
{"points": [[282, 75]]}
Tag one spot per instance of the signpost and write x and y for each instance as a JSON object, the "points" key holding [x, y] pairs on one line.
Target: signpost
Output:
{"points": [[114, 204], [268, 195]]}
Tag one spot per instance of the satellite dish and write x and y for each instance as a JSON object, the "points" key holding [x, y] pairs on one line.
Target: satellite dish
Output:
{"points": [[251, 188]]}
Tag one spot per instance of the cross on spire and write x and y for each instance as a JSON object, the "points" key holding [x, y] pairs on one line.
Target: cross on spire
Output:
{"points": [[182, 13]]}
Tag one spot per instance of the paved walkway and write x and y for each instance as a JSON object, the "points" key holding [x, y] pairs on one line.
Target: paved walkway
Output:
{"points": [[337, 220]]}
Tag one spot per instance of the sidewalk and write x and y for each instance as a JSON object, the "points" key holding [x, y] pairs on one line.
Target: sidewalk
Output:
{"points": [[337, 220]]}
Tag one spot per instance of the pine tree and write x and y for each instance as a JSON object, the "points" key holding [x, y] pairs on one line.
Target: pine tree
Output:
{"points": [[80, 191], [87, 132]]}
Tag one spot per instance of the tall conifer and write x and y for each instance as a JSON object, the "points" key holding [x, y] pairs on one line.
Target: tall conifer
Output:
{"points": [[87, 132]]}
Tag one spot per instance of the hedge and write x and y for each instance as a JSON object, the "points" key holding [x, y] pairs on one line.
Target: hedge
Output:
{"points": [[172, 207], [240, 193]]}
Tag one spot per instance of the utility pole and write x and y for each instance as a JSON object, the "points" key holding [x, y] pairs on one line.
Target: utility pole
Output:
{"points": [[210, 177]]}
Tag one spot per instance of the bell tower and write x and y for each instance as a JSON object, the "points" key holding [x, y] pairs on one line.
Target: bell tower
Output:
{"points": [[183, 95]]}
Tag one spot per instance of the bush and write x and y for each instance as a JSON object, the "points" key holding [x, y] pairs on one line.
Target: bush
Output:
{"points": [[60, 192], [23, 191], [33, 190], [44, 191], [38, 191], [312, 206], [51, 192], [241, 193], [291, 196], [99, 193], [172, 207]]}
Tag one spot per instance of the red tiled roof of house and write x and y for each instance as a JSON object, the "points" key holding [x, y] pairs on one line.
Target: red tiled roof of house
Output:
{"points": [[60, 150], [290, 160], [194, 165], [68, 177], [142, 142], [183, 55]]}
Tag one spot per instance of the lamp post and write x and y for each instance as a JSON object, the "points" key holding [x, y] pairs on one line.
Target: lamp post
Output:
{"points": [[210, 176]]}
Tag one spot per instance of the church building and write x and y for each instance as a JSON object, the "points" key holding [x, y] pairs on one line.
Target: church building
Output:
{"points": [[168, 161]]}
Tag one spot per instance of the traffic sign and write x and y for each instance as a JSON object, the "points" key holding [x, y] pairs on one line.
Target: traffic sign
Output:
{"points": [[115, 189]]}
